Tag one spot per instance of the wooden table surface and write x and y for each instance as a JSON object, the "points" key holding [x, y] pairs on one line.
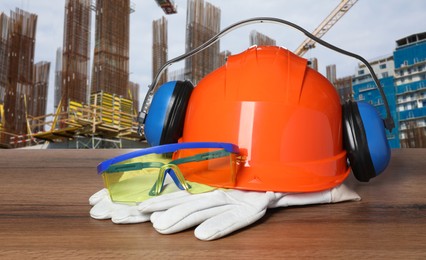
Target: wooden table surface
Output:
{"points": [[44, 213]]}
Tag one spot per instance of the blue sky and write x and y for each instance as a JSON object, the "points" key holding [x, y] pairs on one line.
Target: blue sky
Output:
{"points": [[369, 29]]}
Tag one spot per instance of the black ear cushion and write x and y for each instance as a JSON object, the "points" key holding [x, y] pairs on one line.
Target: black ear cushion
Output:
{"points": [[175, 117], [355, 143]]}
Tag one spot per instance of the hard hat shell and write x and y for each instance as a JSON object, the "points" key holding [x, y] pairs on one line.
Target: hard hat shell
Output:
{"points": [[285, 117]]}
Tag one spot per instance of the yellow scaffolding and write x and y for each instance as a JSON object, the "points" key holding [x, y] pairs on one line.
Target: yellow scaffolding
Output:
{"points": [[108, 116]]}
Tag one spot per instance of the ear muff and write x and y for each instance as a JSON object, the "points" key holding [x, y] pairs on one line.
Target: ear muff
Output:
{"points": [[166, 116], [365, 140]]}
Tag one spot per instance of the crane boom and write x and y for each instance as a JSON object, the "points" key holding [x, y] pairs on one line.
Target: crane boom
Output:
{"points": [[168, 6], [331, 19]]}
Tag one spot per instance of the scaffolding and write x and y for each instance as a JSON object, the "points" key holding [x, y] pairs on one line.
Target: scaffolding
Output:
{"points": [[203, 22], [110, 72], [100, 124], [159, 48], [115, 113], [260, 39], [76, 51]]}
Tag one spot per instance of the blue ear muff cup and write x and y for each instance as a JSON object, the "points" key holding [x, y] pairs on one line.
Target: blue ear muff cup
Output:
{"points": [[378, 144], [166, 115], [173, 124], [355, 142], [154, 121]]}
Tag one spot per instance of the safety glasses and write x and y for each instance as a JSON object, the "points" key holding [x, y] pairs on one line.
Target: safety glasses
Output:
{"points": [[139, 175]]}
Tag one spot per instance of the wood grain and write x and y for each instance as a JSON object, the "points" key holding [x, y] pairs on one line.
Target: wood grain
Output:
{"points": [[44, 213]]}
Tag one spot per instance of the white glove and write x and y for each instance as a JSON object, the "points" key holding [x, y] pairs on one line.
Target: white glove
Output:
{"points": [[104, 208], [221, 212]]}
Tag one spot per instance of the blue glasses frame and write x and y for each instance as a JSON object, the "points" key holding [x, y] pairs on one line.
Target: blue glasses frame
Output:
{"points": [[166, 148]]}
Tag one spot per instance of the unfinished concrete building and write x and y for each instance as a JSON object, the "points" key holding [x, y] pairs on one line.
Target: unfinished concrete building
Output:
{"points": [[159, 48], [22, 32], [223, 56], [313, 63], [202, 23], [76, 52], [37, 99], [57, 93], [343, 85], [4, 48], [344, 88], [134, 95], [414, 135], [178, 74], [110, 72], [4, 71], [260, 39], [331, 73]]}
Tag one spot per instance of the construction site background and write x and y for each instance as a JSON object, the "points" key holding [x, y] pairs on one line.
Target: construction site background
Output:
{"points": [[108, 114], [75, 53], [110, 72], [259, 39], [159, 48], [202, 23], [18, 73]]}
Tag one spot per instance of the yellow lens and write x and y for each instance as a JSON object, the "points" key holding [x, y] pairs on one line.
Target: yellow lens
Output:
{"points": [[202, 167], [133, 186], [129, 187]]}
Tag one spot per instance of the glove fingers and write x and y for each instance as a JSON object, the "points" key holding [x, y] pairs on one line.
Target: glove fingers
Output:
{"points": [[129, 215], [163, 202], [156, 215], [98, 196], [168, 223], [102, 209], [105, 208], [193, 208], [223, 224], [167, 201]]}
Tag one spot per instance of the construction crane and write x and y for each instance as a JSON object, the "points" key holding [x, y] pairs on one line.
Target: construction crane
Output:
{"points": [[168, 6], [331, 19]]}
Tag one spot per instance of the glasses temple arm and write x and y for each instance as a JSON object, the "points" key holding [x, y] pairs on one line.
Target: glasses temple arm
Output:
{"points": [[133, 166], [201, 157]]}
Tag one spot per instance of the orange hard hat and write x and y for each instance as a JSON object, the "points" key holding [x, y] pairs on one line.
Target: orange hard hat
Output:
{"points": [[285, 117]]}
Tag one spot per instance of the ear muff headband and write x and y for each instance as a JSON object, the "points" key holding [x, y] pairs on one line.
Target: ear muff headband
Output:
{"points": [[389, 122]]}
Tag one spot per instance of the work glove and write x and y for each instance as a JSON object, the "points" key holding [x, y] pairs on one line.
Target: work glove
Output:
{"points": [[104, 208], [221, 212]]}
